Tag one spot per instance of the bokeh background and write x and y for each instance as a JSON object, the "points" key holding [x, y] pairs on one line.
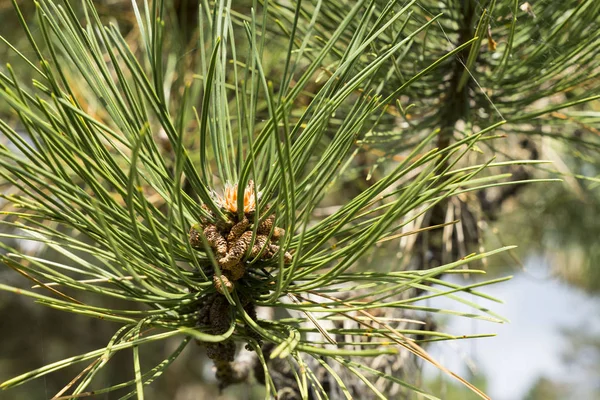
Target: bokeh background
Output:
{"points": [[549, 350]]}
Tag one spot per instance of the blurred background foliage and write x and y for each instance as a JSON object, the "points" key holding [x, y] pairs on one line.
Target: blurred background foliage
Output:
{"points": [[558, 221]]}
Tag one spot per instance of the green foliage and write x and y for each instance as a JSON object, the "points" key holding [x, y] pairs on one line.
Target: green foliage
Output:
{"points": [[517, 63], [117, 153], [451, 391], [546, 389], [557, 223]]}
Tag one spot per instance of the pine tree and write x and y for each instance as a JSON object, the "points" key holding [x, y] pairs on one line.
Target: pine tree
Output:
{"points": [[233, 183]]}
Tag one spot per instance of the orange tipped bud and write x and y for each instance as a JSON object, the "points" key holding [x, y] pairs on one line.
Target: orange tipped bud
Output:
{"points": [[229, 201]]}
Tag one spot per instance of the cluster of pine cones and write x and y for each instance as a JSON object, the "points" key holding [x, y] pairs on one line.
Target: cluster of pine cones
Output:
{"points": [[231, 244], [236, 243]]}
